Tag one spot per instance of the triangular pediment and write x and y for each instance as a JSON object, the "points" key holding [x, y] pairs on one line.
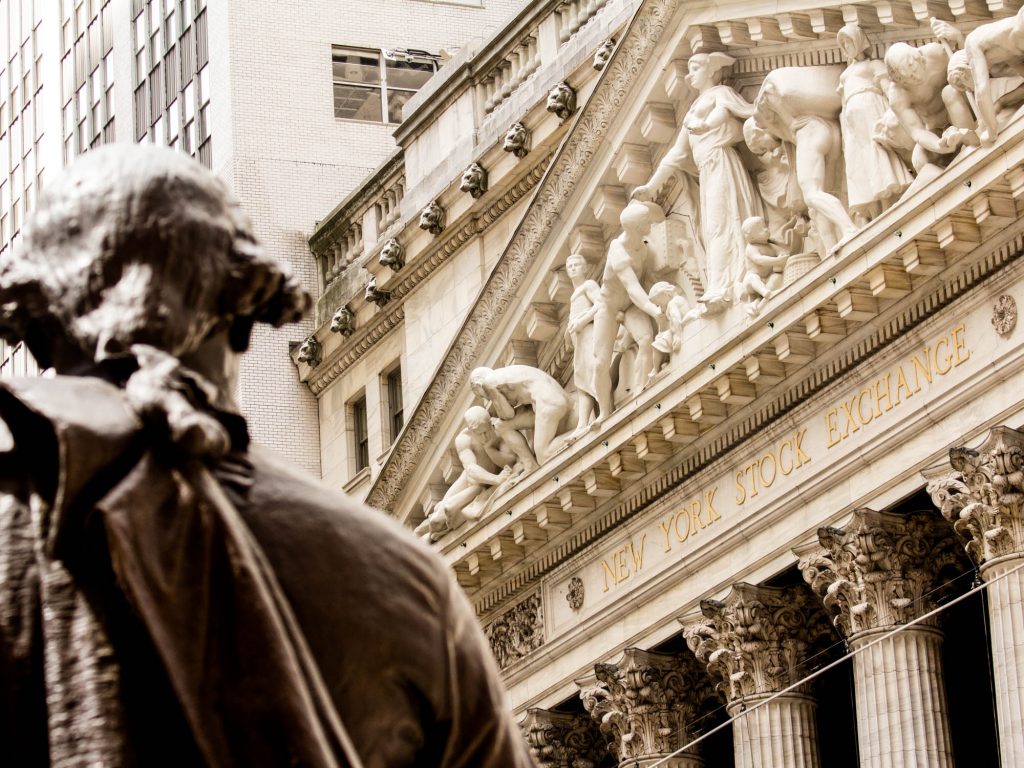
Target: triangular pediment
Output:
{"points": [[737, 356]]}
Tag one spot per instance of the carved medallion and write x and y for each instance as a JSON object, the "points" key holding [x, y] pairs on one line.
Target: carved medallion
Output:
{"points": [[576, 594], [1004, 314]]}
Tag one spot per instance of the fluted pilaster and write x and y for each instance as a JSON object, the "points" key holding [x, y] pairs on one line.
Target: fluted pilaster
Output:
{"points": [[754, 644], [560, 740], [874, 575], [646, 704], [984, 499]]}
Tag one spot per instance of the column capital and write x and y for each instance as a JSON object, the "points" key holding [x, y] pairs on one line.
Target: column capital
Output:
{"points": [[984, 495], [561, 740], [756, 640], [646, 702], [877, 571]]}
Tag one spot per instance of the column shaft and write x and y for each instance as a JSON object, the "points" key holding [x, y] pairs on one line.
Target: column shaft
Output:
{"points": [[782, 732], [1006, 618], [902, 718]]}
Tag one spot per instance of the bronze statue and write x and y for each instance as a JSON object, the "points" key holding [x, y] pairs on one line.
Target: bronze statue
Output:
{"points": [[170, 594]]}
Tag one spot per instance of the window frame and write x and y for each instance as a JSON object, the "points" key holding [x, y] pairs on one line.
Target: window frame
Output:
{"points": [[382, 86], [360, 428], [393, 396]]}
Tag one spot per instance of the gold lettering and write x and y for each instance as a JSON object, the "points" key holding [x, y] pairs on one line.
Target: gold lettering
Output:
{"points": [[664, 532], [621, 568], [850, 420], [765, 483], [921, 368], [608, 573], [830, 425], [860, 409], [695, 510], [682, 516], [901, 383], [801, 457], [943, 342], [878, 396], [638, 557], [960, 345], [753, 478], [741, 492], [782, 466], [709, 502]]}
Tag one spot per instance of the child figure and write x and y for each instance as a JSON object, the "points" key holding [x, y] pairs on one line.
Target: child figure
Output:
{"points": [[763, 256], [677, 313]]}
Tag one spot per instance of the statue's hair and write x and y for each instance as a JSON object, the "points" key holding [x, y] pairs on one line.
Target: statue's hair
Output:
{"points": [[854, 34], [108, 238], [663, 288], [959, 73], [476, 414], [898, 57], [716, 60]]}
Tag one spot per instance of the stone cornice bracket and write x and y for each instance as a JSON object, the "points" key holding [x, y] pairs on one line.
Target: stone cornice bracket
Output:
{"points": [[392, 255], [756, 641], [433, 218], [563, 740], [984, 496], [375, 295], [562, 101], [878, 571], [343, 321], [646, 702], [517, 140], [517, 632], [310, 352], [474, 181]]}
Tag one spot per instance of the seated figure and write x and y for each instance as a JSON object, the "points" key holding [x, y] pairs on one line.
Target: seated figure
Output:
{"points": [[173, 595]]}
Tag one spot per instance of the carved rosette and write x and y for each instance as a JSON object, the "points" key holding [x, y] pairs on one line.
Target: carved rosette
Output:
{"points": [[984, 497], [756, 640], [646, 702], [517, 632], [575, 593], [878, 571], [1004, 314], [561, 740]]}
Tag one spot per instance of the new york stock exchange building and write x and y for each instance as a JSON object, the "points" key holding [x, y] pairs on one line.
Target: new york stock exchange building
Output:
{"points": [[687, 334]]}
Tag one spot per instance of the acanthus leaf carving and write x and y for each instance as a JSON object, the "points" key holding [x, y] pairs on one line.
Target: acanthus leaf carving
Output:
{"points": [[757, 639], [563, 740], [880, 570], [517, 632]]}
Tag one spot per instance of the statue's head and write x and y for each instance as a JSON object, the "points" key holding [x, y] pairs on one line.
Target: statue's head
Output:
{"points": [[959, 72], [906, 64], [706, 69], [755, 230], [852, 41], [662, 293], [478, 378], [575, 265], [638, 216], [757, 138], [478, 421], [136, 244]]}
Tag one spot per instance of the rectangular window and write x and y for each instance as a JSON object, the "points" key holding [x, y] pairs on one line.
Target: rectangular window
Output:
{"points": [[360, 435], [393, 398], [374, 85]]}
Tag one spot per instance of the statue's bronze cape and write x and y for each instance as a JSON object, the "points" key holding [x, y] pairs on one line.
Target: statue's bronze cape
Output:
{"points": [[177, 613]]}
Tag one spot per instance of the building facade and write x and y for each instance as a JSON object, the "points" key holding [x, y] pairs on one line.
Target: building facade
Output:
{"points": [[254, 90], [704, 324]]}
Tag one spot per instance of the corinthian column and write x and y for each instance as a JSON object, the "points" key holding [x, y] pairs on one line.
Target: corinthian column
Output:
{"points": [[984, 499], [874, 575], [646, 704], [559, 740], [754, 644]]}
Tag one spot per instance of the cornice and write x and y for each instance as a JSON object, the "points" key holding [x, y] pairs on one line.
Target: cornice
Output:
{"points": [[331, 369], [559, 183]]}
